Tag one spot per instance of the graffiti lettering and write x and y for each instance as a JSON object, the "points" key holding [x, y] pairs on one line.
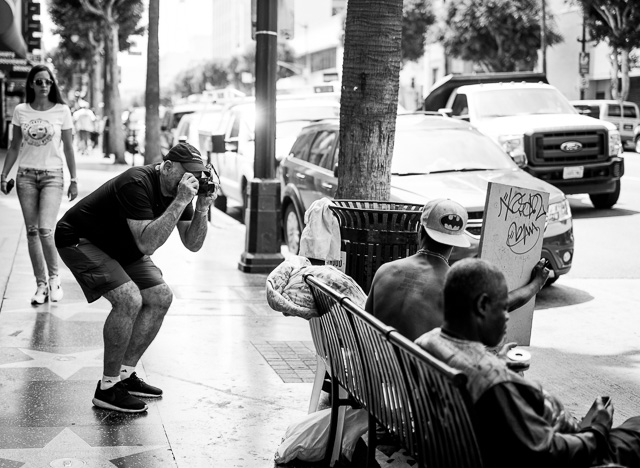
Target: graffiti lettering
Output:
{"points": [[524, 210]]}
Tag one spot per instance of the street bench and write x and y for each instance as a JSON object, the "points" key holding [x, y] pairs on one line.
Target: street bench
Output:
{"points": [[416, 398]]}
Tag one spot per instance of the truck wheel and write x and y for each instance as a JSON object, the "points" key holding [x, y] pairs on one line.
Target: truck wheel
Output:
{"points": [[292, 229], [221, 203], [605, 200]]}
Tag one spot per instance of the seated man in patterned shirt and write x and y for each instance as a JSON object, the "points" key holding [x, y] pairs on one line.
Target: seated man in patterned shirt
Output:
{"points": [[511, 415]]}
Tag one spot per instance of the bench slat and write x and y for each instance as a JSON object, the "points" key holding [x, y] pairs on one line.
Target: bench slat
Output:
{"points": [[417, 398]]}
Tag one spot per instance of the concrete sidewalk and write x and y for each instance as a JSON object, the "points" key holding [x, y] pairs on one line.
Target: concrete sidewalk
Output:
{"points": [[235, 373]]}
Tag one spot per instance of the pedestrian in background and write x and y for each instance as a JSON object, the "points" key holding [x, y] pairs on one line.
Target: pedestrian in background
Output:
{"points": [[42, 132], [85, 122]]}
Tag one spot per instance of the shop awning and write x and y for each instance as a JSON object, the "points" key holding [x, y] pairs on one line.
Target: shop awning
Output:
{"points": [[10, 38]]}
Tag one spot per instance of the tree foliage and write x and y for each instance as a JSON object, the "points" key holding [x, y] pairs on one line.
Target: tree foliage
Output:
{"points": [[218, 74], [80, 32], [416, 18], [616, 22], [500, 35]]}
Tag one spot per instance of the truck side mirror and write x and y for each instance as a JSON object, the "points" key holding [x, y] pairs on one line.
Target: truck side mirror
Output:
{"points": [[217, 144]]}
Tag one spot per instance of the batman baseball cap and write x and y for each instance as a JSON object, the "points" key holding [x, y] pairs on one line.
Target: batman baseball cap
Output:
{"points": [[188, 156], [445, 221]]}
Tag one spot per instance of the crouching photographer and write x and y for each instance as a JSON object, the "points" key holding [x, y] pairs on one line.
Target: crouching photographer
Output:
{"points": [[106, 240]]}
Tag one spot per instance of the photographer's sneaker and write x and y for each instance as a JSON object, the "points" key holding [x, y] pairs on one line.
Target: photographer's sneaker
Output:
{"points": [[55, 290], [117, 398], [138, 387], [42, 294]]}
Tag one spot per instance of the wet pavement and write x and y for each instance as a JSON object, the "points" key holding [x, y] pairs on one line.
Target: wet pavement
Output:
{"points": [[235, 373]]}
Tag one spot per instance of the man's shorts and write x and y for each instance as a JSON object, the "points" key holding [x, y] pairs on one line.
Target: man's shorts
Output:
{"points": [[98, 273]]}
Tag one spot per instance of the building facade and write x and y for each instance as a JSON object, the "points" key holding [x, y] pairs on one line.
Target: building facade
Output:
{"points": [[562, 60]]}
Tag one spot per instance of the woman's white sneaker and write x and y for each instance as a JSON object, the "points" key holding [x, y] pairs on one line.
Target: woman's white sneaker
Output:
{"points": [[55, 290], [41, 295]]}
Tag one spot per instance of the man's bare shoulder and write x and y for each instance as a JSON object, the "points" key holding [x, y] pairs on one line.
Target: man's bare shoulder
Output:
{"points": [[401, 265]]}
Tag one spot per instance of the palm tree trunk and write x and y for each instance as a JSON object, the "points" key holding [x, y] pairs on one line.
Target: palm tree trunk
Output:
{"points": [[615, 92], [369, 99], [116, 135], [624, 74], [152, 93]]}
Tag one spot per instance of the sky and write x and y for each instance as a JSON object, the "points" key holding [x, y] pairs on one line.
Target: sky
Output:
{"points": [[185, 37]]}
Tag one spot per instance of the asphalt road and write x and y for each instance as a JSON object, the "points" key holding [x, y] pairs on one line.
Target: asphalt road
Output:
{"points": [[606, 241]]}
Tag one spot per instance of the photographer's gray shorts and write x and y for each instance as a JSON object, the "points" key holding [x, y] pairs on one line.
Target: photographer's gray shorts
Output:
{"points": [[97, 273]]}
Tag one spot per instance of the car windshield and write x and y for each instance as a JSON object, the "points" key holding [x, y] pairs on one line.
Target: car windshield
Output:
{"points": [[523, 101], [431, 151]]}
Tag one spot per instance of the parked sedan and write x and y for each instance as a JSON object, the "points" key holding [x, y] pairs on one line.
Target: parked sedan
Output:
{"points": [[433, 157]]}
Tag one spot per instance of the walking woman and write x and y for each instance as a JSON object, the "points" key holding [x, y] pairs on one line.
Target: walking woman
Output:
{"points": [[39, 127]]}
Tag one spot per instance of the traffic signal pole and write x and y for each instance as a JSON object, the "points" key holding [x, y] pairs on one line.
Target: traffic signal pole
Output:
{"points": [[262, 216]]}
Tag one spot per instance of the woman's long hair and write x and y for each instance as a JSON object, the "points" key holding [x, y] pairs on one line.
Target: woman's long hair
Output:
{"points": [[54, 91]]}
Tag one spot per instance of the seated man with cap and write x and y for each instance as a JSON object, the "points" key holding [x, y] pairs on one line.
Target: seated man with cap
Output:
{"points": [[516, 421], [407, 293], [106, 240]]}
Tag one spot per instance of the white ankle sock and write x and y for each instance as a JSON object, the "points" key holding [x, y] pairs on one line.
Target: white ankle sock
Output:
{"points": [[108, 382], [126, 371]]}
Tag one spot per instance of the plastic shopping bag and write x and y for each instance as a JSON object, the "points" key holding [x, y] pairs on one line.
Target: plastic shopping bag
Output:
{"points": [[306, 439]]}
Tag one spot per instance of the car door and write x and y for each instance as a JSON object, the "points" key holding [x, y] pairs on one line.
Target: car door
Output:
{"points": [[227, 160], [244, 157], [614, 115], [629, 121], [296, 170], [325, 149]]}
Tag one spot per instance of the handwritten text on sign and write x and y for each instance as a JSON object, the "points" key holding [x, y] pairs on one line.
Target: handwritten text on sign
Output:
{"points": [[525, 209], [512, 235]]}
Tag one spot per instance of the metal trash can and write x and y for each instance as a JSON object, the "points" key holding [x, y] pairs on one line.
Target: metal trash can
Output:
{"points": [[374, 233]]}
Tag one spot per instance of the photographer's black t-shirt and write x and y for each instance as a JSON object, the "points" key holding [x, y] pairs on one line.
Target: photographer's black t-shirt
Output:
{"points": [[101, 217]]}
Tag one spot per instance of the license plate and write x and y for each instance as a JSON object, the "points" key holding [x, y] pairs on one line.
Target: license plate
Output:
{"points": [[574, 172], [628, 127]]}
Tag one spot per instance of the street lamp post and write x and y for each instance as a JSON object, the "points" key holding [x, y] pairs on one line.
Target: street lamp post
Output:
{"points": [[262, 216]]}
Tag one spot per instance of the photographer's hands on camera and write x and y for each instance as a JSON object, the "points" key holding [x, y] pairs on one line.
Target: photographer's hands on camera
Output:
{"points": [[205, 189]]}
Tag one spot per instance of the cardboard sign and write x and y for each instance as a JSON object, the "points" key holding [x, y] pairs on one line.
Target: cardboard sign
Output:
{"points": [[512, 233]]}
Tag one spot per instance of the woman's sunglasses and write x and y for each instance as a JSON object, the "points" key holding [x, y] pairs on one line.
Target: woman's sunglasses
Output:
{"points": [[43, 82]]}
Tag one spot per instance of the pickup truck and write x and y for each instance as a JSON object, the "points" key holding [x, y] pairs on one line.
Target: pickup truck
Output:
{"points": [[539, 128]]}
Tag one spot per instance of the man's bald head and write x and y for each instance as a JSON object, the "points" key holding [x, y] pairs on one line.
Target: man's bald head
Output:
{"points": [[475, 300]]}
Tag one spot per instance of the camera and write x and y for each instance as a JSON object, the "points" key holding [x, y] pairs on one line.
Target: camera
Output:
{"points": [[206, 186]]}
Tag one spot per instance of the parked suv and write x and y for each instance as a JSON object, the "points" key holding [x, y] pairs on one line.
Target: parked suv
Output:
{"points": [[433, 157], [538, 127], [625, 117]]}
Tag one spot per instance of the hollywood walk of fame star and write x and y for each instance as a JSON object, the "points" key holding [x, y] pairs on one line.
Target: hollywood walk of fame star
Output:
{"points": [[64, 365], [68, 445], [76, 312]]}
